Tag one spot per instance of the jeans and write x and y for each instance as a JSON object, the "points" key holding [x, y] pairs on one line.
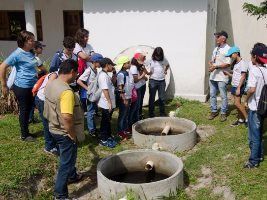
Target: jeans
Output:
{"points": [[50, 142], [123, 115], [25, 103], [67, 161], [214, 87], [133, 114], [155, 86], [91, 111], [141, 93], [105, 125], [255, 132]]}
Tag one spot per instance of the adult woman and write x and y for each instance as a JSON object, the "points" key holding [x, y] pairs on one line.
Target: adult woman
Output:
{"points": [[23, 59], [83, 51]]}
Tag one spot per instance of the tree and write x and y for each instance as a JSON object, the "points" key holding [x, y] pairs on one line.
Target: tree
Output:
{"points": [[259, 11]]}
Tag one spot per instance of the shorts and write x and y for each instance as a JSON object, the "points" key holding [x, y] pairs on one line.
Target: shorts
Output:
{"points": [[233, 91]]}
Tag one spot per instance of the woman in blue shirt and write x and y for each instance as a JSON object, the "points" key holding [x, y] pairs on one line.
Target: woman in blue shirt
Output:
{"points": [[25, 63]]}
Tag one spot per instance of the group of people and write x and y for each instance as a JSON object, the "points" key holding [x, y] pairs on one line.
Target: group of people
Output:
{"points": [[78, 83], [246, 77]]}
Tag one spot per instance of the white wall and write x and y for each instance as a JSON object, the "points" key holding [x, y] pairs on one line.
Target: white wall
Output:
{"points": [[52, 22], [244, 30], [176, 25]]}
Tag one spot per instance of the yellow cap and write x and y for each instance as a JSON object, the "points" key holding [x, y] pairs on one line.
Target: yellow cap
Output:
{"points": [[121, 61]]}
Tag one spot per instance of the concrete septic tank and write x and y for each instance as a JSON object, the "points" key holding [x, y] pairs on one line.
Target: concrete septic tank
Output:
{"points": [[148, 173], [182, 133]]}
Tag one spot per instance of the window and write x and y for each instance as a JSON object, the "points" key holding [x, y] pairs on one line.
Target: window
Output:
{"points": [[73, 20], [12, 22]]}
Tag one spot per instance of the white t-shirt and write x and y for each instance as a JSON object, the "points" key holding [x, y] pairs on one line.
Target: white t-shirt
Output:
{"points": [[104, 82], [134, 71], [128, 86], [88, 75], [40, 93], [255, 79], [39, 62], [157, 68], [218, 58], [88, 49], [240, 67]]}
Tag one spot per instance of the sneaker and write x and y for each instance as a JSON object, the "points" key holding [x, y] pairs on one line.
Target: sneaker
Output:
{"points": [[107, 143], [212, 115], [123, 135], [53, 151], [128, 131], [223, 118], [261, 159], [249, 165], [237, 123], [113, 141], [85, 114], [28, 139]]}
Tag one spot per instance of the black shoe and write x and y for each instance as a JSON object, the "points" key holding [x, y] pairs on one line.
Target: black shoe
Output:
{"points": [[77, 179], [249, 165], [237, 123], [163, 115], [213, 115], [28, 139]]}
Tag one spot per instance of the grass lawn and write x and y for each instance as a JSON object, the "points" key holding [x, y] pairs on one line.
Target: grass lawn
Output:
{"points": [[28, 173]]}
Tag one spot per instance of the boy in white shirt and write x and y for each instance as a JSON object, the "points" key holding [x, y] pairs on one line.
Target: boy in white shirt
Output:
{"points": [[257, 79], [125, 93], [88, 76], [238, 83], [106, 102]]}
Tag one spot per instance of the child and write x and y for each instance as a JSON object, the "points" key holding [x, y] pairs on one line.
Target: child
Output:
{"points": [[138, 72], [124, 80], [84, 81], [256, 80], [64, 54], [238, 83], [106, 102], [158, 67], [38, 50]]}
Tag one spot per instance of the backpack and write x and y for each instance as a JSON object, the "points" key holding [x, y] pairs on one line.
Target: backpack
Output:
{"points": [[262, 105], [94, 92], [117, 93], [38, 84]]}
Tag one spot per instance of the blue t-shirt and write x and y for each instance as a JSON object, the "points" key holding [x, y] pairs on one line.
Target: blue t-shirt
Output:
{"points": [[25, 63]]}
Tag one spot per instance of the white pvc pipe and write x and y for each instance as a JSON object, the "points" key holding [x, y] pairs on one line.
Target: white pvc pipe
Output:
{"points": [[149, 165], [166, 130]]}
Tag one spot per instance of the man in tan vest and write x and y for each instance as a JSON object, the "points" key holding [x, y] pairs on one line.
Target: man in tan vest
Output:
{"points": [[63, 111]]}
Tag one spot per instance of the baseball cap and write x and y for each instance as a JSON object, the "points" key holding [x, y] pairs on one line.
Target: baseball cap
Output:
{"points": [[38, 44], [261, 52], [221, 33], [121, 61], [232, 50], [106, 61], [96, 57]]}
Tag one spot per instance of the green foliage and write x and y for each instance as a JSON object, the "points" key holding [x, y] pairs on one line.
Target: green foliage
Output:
{"points": [[259, 11]]}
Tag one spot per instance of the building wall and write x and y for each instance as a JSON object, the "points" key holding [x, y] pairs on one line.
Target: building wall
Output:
{"points": [[211, 29], [177, 26], [52, 22], [244, 30]]}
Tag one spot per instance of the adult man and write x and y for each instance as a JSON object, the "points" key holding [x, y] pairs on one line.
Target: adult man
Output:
{"points": [[63, 111], [218, 79]]}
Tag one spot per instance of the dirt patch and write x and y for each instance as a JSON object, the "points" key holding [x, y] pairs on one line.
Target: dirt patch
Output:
{"points": [[224, 191], [205, 131]]}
